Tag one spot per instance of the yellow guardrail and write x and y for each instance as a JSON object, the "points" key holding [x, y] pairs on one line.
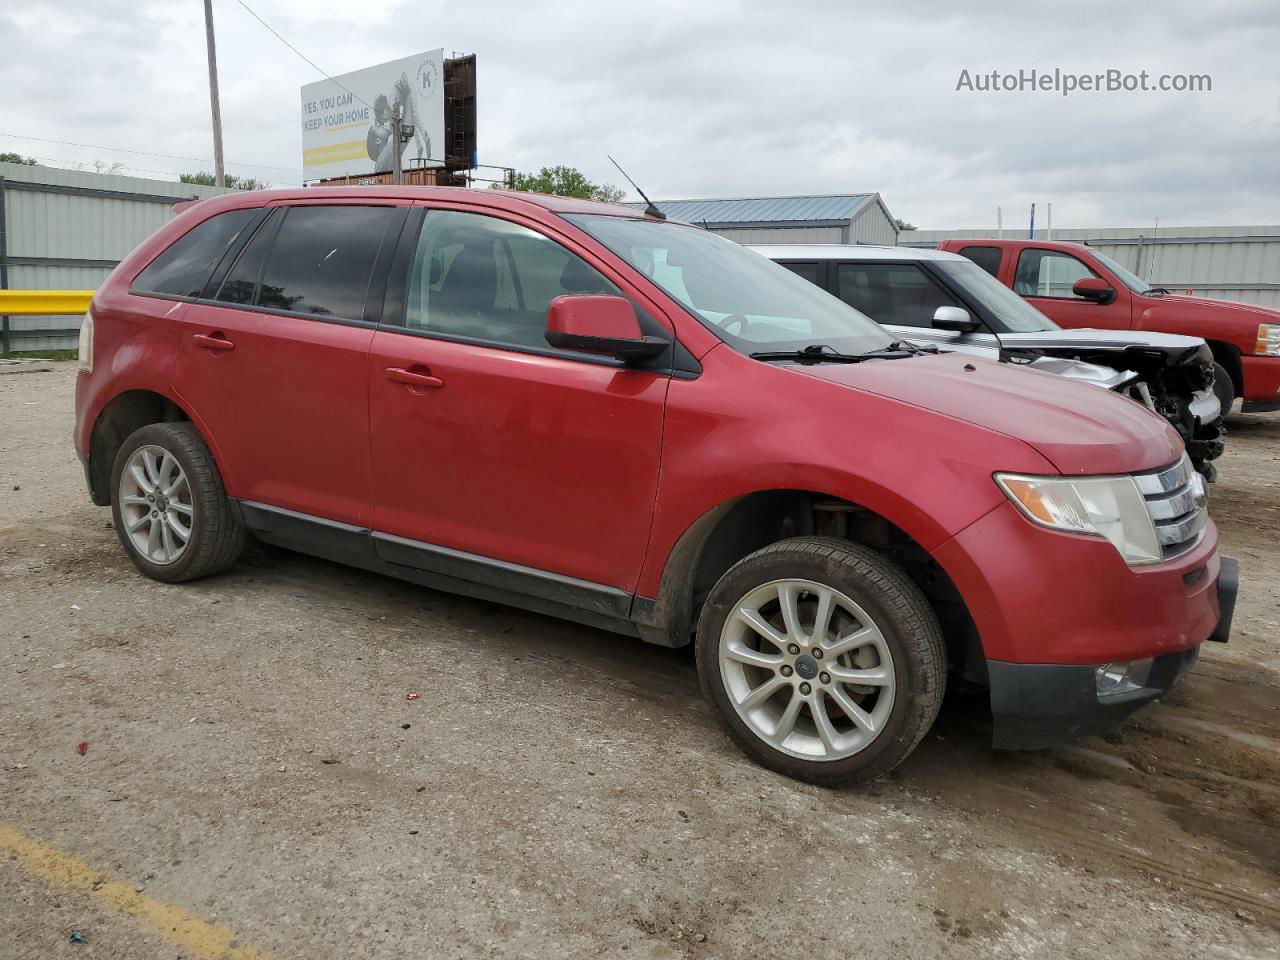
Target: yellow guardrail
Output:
{"points": [[44, 303]]}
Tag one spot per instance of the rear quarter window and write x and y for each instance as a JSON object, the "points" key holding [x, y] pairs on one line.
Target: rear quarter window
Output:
{"points": [[988, 258], [184, 266]]}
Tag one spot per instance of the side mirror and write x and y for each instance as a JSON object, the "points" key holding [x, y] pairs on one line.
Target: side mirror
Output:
{"points": [[606, 325], [956, 319], [1094, 289]]}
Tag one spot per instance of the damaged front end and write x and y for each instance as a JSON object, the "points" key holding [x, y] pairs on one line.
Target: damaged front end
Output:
{"points": [[1173, 380]]}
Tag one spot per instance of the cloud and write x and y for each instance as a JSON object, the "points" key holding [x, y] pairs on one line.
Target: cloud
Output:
{"points": [[710, 99]]}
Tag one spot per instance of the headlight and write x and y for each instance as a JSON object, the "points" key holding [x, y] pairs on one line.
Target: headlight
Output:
{"points": [[1268, 340], [1108, 507], [86, 343]]}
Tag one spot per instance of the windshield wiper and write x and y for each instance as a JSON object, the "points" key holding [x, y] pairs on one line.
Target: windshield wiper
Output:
{"points": [[822, 353], [814, 353], [1154, 290]]}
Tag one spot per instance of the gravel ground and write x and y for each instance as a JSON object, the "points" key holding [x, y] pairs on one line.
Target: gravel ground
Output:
{"points": [[558, 791]]}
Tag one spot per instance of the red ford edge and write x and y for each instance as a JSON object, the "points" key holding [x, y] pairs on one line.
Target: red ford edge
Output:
{"points": [[633, 423]]}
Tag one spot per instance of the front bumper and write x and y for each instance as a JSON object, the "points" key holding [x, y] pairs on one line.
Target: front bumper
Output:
{"points": [[1043, 596], [1261, 384], [1037, 705], [1205, 406]]}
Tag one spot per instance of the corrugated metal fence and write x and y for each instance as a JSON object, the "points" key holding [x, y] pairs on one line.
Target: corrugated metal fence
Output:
{"points": [[1225, 263], [66, 230]]}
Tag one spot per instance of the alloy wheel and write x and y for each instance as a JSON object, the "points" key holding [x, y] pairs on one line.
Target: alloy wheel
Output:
{"points": [[156, 506], [807, 669]]}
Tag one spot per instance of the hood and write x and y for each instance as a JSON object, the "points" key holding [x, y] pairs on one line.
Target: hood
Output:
{"points": [[1077, 427], [1237, 322], [1170, 344], [1250, 311]]}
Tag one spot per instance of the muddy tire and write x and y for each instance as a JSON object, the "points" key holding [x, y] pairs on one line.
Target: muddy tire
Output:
{"points": [[823, 659], [169, 507]]}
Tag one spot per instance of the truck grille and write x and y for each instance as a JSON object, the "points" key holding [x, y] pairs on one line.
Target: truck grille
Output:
{"points": [[1177, 506]]}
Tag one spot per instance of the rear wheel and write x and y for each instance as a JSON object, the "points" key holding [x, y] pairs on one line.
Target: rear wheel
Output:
{"points": [[170, 510], [823, 658]]}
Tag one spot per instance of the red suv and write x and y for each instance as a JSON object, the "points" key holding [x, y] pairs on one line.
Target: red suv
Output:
{"points": [[636, 424]]}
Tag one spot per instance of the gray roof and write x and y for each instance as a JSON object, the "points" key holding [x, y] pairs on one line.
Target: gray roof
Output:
{"points": [[812, 211]]}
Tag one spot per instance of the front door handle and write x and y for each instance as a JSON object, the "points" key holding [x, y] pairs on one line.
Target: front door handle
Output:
{"points": [[412, 378], [213, 341]]}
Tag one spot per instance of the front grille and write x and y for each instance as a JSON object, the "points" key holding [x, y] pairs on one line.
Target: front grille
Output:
{"points": [[1177, 506]]}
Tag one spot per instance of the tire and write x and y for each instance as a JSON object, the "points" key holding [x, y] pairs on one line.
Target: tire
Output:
{"points": [[1223, 387], [870, 597], [215, 536]]}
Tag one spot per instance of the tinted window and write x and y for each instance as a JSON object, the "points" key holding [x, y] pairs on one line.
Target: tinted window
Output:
{"points": [[898, 293], [322, 260], [988, 258], [480, 277], [184, 267], [1048, 273], [241, 283], [807, 270]]}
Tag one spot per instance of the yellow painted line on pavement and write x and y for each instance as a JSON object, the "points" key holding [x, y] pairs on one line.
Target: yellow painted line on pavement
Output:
{"points": [[199, 939]]}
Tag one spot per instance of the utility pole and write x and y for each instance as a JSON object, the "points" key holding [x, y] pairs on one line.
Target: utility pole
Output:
{"points": [[219, 178], [397, 173]]}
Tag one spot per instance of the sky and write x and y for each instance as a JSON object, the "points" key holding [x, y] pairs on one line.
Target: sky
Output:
{"points": [[705, 99]]}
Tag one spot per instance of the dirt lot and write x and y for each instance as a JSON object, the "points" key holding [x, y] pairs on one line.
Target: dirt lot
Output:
{"points": [[256, 784]]}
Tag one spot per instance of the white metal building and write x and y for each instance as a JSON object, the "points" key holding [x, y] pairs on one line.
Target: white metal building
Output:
{"points": [[835, 218], [1223, 263], [67, 229]]}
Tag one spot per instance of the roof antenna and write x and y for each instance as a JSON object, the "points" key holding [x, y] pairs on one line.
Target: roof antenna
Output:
{"points": [[650, 210]]}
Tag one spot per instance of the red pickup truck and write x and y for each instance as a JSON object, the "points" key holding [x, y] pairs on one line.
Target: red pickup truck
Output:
{"points": [[1077, 286]]}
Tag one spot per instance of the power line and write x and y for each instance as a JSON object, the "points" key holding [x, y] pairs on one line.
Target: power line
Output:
{"points": [[276, 33], [145, 153]]}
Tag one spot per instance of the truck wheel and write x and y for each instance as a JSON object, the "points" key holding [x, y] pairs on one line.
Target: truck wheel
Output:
{"points": [[823, 658], [1223, 387], [170, 510]]}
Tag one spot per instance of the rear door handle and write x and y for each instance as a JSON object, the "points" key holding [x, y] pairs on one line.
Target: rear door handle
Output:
{"points": [[213, 342], [412, 378]]}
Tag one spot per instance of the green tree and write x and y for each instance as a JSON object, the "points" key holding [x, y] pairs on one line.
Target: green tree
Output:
{"points": [[230, 179], [903, 225], [17, 158], [568, 182]]}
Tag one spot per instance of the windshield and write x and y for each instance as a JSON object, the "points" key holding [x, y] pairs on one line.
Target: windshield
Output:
{"points": [[1011, 313], [1127, 276], [750, 302]]}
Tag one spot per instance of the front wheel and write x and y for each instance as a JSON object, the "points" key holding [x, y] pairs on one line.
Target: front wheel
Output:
{"points": [[1223, 387], [823, 658], [169, 507]]}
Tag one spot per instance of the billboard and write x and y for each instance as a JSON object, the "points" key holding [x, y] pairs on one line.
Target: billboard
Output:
{"points": [[346, 126]]}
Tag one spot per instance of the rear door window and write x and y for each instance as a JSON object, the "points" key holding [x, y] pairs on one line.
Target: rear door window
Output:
{"points": [[894, 293], [322, 260], [988, 258], [182, 269]]}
